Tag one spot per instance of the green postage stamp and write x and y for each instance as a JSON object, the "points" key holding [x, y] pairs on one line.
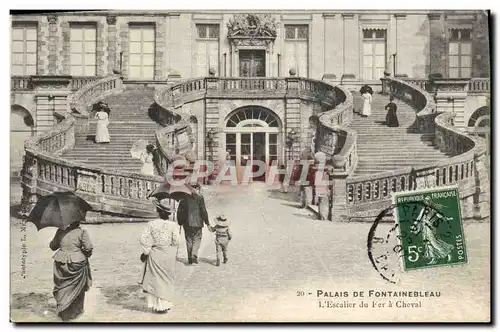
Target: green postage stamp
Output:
{"points": [[430, 228]]}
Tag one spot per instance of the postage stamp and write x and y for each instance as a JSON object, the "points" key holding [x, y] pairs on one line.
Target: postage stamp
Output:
{"points": [[430, 228]]}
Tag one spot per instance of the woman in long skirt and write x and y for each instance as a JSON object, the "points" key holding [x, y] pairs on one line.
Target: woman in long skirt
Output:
{"points": [[159, 243], [367, 104], [147, 158], [72, 276], [391, 118], [102, 133]]}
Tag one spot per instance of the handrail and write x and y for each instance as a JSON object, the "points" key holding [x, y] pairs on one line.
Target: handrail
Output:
{"points": [[333, 127], [90, 93]]}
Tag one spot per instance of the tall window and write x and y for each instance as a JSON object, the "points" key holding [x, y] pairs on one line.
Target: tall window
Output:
{"points": [[459, 53], [296, 49], [374, 45], [83, 43], [142, 51], [24, 55], [207, 48]]}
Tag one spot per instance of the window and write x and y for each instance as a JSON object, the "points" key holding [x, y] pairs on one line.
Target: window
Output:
{"points": [[142, 51], [83, 43], [252, 117], [296, 49], [208, 31], [374, 60], [207, 49], [300, 32], [24, 49], [459, 53]]}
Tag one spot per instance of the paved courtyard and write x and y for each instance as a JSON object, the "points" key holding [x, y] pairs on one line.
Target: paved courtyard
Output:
{"points": [[278, 250]]}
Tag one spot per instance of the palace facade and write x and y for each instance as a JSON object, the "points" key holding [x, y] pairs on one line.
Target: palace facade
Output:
{"points": [[240, 85]]}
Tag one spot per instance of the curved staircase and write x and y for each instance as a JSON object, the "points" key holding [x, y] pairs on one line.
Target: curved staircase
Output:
{"points": [[129, 121], [382, 148]]}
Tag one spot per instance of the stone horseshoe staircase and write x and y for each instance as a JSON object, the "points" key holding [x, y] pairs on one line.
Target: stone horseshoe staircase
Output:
{"points": [[128, 122], [382, 148]]}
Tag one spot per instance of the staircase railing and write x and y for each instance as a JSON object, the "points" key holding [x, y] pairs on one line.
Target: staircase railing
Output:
{"points": [[365, 194], [81, 100], [479, 85], [334, 127], [108, 191]]}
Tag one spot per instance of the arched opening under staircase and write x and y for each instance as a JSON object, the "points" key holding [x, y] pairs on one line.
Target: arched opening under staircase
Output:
{"points": [[253, 133]]}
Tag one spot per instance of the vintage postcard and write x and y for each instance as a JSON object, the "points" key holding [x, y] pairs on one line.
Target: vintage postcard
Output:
{"points": [[250, 166]]}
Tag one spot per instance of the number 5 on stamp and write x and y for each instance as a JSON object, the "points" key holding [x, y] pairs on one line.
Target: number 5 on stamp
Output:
{"points": [[430, 228]]}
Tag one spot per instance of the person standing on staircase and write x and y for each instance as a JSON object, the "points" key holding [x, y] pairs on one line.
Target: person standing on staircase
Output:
{"points": [[102, 133], [148, 167], [391, 118], [367, 104]]}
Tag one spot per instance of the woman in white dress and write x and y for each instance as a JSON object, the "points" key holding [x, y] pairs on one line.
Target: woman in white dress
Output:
{"points": [[367, 104], [148, 167], [159, 243], [102, 133]]}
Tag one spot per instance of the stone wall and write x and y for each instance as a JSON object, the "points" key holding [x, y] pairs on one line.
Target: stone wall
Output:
{"points": [[334, 47]]}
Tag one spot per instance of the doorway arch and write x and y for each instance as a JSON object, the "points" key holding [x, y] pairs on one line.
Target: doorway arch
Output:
{"points": [[253, 133]]}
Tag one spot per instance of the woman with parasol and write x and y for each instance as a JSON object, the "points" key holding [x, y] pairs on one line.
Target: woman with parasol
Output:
{"points": [[366, 92], [72, 277], [102, 117], [159, 242]]}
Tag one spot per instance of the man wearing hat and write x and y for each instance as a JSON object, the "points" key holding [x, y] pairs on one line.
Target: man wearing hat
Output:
{"points": [[222, 237], [192, 215]]}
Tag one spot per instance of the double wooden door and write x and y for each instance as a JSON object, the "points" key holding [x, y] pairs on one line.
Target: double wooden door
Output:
{"points": [[252, 63]]}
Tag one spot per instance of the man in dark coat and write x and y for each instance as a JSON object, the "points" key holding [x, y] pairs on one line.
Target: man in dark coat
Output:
{"points": [[191, 215]]}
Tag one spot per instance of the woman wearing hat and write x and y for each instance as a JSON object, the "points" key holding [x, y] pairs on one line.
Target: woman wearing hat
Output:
{"points": [[159, 243]]}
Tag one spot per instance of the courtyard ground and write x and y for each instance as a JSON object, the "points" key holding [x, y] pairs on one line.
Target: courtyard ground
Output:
{"points": [[278, 251]]}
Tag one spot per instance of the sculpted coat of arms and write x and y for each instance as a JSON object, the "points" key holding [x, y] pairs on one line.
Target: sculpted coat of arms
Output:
{"points": [[252, 30]]}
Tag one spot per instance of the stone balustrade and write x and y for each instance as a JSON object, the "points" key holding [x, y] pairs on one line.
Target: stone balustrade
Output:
{"points": [[422, 83], [171, 99], [82, 99], [364, 195], [241, 87], [19, 83], [479, 85], [78, 82], [337, 141], [107, 191]]}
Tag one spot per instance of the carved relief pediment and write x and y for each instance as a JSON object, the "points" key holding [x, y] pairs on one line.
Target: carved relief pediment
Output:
{"points": [[252, 25], [252, 30]]}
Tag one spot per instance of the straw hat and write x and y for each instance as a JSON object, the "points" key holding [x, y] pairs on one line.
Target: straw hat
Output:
{"points": [[221, 220]]}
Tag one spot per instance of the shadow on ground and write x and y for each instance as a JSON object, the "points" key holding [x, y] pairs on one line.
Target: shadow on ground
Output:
{"points": [[129, 297], [291, 196], [38, 303]]}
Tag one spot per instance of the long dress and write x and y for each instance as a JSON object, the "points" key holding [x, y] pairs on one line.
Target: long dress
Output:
{"points": [[434, 247], [148, 167], [72, 277], [102, 133], [367, 104], [159, 241], [391, 118]]}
